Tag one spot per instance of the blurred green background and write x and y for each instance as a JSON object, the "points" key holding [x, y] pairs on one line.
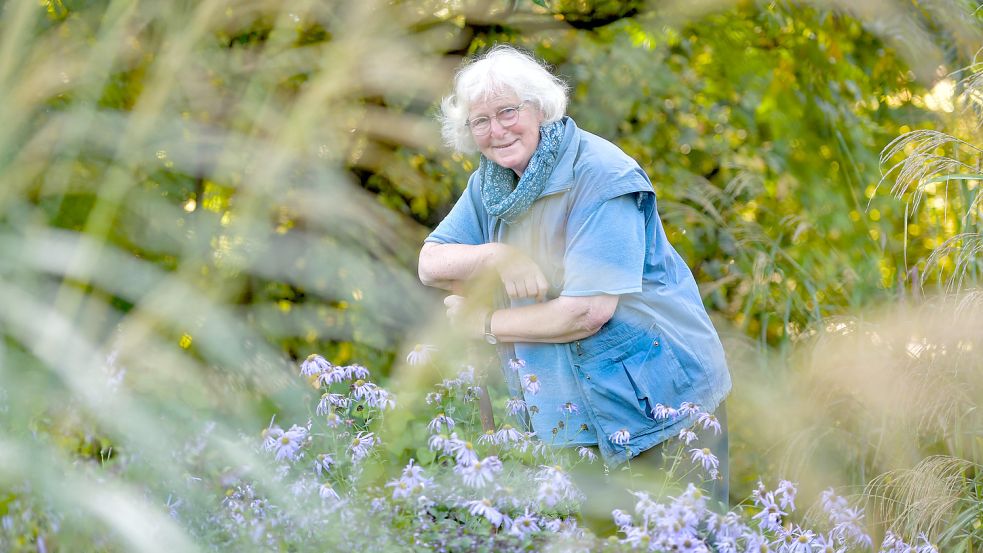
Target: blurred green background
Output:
{"points": [[196, 195]]}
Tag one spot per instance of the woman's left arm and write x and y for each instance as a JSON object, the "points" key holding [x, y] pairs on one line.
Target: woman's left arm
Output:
{"points": [[561, 320]]}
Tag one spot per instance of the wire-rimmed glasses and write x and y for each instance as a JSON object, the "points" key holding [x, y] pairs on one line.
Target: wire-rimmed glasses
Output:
{"points": [[506, 117]]}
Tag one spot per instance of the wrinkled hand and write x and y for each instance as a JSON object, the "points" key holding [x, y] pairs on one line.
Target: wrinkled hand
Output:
{"points": [[465, 317], [520, 274]]}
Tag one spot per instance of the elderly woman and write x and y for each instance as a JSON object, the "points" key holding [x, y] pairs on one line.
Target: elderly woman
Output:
{"points": [[598, 321]]}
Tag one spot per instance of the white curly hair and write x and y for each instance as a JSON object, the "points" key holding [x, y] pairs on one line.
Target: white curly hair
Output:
{"points": [[502, 70]]}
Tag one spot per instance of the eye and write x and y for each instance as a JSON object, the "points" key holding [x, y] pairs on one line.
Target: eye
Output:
{"points": [[508, 113], [479, 121]]}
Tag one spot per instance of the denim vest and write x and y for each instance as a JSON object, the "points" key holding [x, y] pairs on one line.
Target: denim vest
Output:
{"points": [[659, 347]]}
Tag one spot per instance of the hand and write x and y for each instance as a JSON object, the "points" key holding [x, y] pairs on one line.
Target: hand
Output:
{"points": [[464, 317], [520, 274]]}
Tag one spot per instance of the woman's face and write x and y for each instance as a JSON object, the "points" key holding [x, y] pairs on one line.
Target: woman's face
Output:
{"points": [[511, 147]]}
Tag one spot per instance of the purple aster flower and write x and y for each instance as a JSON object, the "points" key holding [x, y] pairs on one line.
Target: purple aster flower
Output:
{"points": [[314, 365], [687, 436], [569, 407], [798, 540], [287, 444], [332, 376], [687, 408], [420, 354], [271, 435], [555, 485], [479, 473], [328, 400], [894, 544], [530, 383], [540, 448], [328, 493], [433, 398], [412, 481], [587, 453], [463, 450], [848, 526], [825, 543], [488, 438], [381, 399], [401, 488], [323, 463], [709, 421], [440, 419], [507, 435], [638, 538], [705, 458], [785, 493], [552, 525], [484, 508], [440, 442], [514, 405], [524, 524], [516, 364], [620, 437], [660, 412], [549, 493], [622, 519], [333, 420], [466, 376], [362, 389], [361, 444], [413, 474], [356, 371], [770, 516], [754, 541]]}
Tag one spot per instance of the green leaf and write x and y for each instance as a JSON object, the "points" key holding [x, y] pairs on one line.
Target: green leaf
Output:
{"points": [[424, 456]]}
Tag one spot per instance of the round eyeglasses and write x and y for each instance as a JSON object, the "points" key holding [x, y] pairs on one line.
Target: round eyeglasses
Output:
{"points": [[506, 117]]}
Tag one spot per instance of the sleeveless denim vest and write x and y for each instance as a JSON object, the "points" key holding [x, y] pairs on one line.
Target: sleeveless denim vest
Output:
{"points": [[659, 347]]}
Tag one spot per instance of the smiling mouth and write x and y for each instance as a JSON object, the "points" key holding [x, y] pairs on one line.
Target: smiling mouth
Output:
{"points": [[505, 145]]}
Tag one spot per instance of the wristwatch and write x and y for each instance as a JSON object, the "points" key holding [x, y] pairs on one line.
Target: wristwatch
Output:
{"points": [[489, 337]]}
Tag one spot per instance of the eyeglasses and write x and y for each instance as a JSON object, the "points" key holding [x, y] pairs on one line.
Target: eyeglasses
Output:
{"points": [[506, 117]]}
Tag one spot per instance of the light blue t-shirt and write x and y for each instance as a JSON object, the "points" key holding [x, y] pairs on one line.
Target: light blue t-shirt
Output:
{"points": [[595, 230]]}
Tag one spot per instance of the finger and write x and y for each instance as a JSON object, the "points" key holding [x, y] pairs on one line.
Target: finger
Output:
{"points": [[532, 289], [511, 290], [542, 287]]}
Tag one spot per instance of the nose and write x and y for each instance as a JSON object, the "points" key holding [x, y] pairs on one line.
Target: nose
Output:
{"points": [[497, 129]]}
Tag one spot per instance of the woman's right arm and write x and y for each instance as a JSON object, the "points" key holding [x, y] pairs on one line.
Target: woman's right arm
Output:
{"points": [[443, 265]]}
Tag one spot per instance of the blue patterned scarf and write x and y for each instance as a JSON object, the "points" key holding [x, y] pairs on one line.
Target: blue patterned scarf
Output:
{"points": [[502, 197]]}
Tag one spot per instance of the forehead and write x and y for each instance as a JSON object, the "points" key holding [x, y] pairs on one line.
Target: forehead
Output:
{"points": [[493, 102]]}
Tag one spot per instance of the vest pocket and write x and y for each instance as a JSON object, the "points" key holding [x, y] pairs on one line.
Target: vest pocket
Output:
{"points": [[623, 389], [657, 375]]}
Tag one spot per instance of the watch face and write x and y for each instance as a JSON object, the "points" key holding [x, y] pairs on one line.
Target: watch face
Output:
{"points": [[491, 339]]}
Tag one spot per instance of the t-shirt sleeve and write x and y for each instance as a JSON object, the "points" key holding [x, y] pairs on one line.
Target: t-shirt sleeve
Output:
{"points": [[464, 224], [606, 255]]}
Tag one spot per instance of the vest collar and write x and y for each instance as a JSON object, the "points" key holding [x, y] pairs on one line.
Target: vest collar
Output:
{"points": [[561, 179]]}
